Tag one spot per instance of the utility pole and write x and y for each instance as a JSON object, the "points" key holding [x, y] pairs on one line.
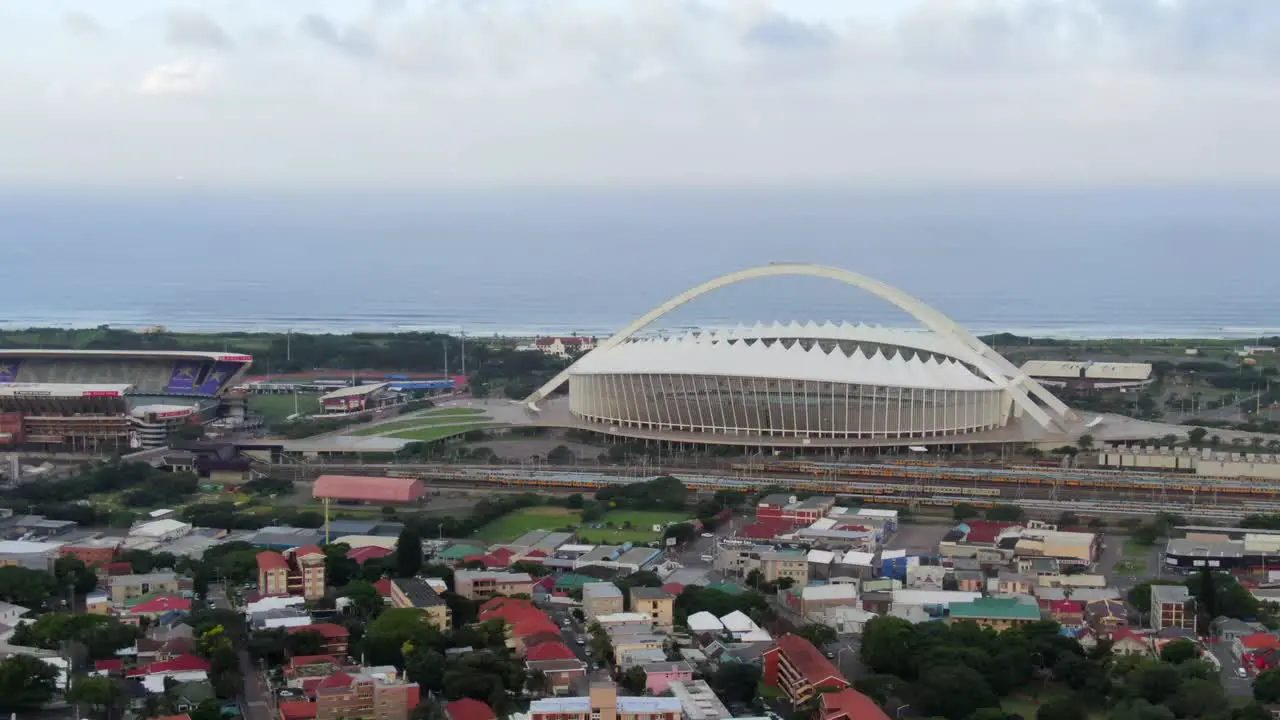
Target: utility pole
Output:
{"points": [[445, 345], [462, 338], [288, 345]]}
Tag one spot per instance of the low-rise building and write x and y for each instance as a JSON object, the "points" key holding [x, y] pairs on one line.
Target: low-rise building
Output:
{"points": [[849, 704], [660, 675], [601, 598], [799, 670], [93, 552], [30, 555], [1172, 606], [299, 571], [656, 603], [603, 703], [997, 613], [337, 639], [557, 663], [415, 593], [778, 564], [483, 584], [698, 701], [1105, 617], [124, 588], [375, 693], [469, 709]]}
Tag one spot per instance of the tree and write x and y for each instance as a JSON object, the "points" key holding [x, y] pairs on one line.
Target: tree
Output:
{"points": [[268, 647], [1155, 682], [1062, 708], [365, 599], [26, 587], [307, 642], [536, 683], [736, 682], [408, 552], [103, 695], [26, 683], [883, 640], [560, 455], [818, 634], [634, 679], [1140, 710], [954, 692], [1196, 435], [1266, 687], [1005, 513], [1085, 441], [425, 666], [1179, 651], [1197, 697], [963, 511], [71, 571], [574, 501]]}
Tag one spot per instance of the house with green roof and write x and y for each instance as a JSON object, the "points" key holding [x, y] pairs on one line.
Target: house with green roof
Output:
{"points": [[572, 581], [457, 552], [997, 613]]}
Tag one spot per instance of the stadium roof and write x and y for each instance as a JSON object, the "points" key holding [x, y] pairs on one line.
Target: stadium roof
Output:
{"points": [[845, 332], [224, 356], [368, 489], [355, 390], [68, 390], [690, 355]]}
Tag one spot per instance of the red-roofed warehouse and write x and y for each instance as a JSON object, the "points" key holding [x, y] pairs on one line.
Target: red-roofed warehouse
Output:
{"points": [[354, 488]]}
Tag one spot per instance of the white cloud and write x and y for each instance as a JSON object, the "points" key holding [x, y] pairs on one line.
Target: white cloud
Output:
{"points": [[177, 78], [667, 92]]}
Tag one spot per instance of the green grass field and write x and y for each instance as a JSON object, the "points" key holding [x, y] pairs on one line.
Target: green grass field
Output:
{"points": [[275, 408], [514, 524], [429, 433], [641, 530], [444, 416]]}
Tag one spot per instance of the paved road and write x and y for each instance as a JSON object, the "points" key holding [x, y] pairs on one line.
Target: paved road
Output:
{"points": [[254, 694], [1232, 683]]}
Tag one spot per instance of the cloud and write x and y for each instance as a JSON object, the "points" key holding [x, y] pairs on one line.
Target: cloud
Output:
{"points": [[350, 40], [690, 93], [80, 23], [177, 78], [189, 27]]}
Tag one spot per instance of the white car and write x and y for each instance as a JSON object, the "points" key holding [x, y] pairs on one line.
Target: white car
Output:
{"points": [[708, 535], [1241, 672], [582, 641]]}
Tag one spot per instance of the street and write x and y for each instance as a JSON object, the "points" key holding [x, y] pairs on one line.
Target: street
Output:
{"points": [[253, 696]]}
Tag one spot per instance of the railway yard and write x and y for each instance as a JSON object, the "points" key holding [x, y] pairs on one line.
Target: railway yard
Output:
{"points": [[1036, 489]]}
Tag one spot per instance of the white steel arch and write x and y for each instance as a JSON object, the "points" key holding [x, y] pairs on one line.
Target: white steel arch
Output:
{"points": [[968, 348]]}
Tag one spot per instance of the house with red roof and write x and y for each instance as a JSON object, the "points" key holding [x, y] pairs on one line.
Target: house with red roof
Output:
{"points": [[297, 710], [798, 669], [548, 651], [557, 663], [361, 555], [1251, 647], [296, 572], [155, 608], [849, 704], [336, 637], [1125, 641], [523, 619], [383, 587], [184, 668], [1068, 613], [984, 532], [469, 709]]}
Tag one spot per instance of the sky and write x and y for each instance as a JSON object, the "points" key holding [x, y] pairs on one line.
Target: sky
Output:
{"points": [[405, 94]]}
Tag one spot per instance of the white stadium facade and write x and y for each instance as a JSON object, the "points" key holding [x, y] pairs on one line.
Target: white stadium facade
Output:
{"points": [[795, 385]]}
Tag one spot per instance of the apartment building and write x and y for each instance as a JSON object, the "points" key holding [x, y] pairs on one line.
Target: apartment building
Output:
{"points": [[373, 693], [798, 669], [602, 703], [415, 593], [601, 598], [997, 613], [482, 584], [298, 572], [657, 603], [127, 587], [1172, 607], [778, 564]]}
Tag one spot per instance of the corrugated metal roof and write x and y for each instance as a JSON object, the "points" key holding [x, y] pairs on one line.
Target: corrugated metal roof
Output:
{"points": [[690, 355], [368, 489]]}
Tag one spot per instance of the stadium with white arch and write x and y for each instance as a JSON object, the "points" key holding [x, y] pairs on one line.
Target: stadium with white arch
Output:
{"points": [[805, 384]]}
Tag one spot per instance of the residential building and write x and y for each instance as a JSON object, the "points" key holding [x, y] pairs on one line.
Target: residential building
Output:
{"points": [[797, 512], [815, 599], [601, 598], [155, 608], [603, 703], [1067, 613], [93, 552], [970, 580], [563, 347], [1252, 644], [97, 603], [415, 593], [849, 704], [698, 701], [1127, 642], [998, 613], [526, 624], [657, 603], [660, 675], [184, 668], [336, 637], [1070, 548], [482, 584], [1105, 617], [778, 564], [127, 587], [1172, 606], [373, 693], [469, 709], [1007, 583], [799, 669], [298, 572], [558, 664]]}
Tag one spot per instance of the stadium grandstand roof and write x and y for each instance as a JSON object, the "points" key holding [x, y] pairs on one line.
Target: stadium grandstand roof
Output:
{"points": [[355, 390], [1088, 370], [200, 354], [368, 489], [64, 390], [693, 355]]}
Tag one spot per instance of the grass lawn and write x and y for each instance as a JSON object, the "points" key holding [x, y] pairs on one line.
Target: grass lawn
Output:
{"points": [[641, 530], [438, 432], [444, 416], [1136, 550], [514, 524], [275, 408]]}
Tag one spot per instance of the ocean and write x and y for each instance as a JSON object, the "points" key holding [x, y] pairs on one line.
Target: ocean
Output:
{"points": [[1100, 263]]}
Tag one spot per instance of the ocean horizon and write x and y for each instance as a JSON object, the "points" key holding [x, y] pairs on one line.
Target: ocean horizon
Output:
{"points": [[1145, 263]]}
